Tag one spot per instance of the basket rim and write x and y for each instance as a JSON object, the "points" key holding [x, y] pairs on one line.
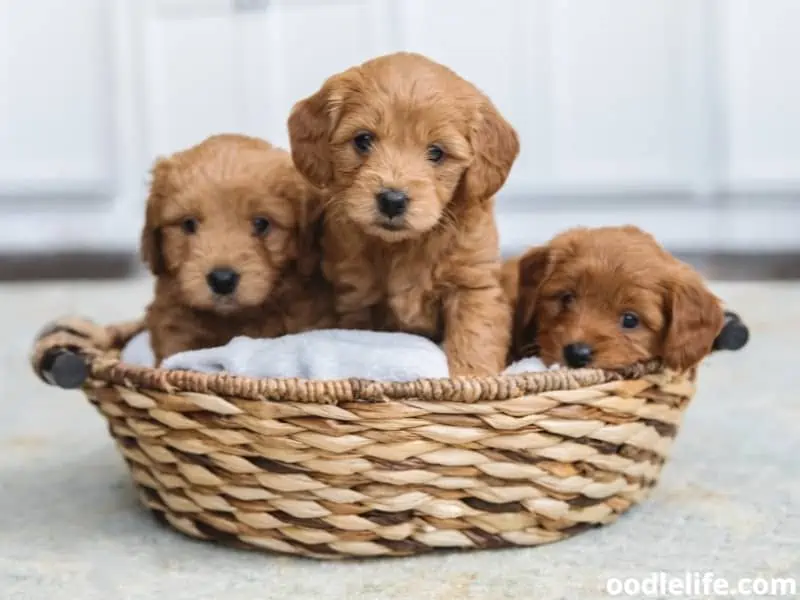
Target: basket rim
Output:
{"points": [[100, 347]]}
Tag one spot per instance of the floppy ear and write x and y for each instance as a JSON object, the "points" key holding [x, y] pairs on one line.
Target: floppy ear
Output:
{"points": [[150, 246], [309, 131], [534, 267], [695, 319], [495, 145]]}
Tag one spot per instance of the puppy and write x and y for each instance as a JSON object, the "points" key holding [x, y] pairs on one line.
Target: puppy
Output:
{"points": [[608, 298], [410, 155], [229, 235]]}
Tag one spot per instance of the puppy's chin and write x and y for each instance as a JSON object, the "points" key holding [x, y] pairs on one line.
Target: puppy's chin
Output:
{"points": [[246, 297], [604, 358], [390, 231], [419, 219], [225, 306]]}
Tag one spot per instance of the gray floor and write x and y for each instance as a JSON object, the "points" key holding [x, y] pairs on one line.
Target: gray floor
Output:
{"points": [[70, 527]]}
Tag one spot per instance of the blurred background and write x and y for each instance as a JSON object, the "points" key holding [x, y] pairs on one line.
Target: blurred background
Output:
{"points": [[681, 116]]}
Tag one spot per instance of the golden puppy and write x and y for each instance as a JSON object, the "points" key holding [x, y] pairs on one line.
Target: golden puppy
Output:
{"points": [[230, 237], [609, 297], [411, 155]]}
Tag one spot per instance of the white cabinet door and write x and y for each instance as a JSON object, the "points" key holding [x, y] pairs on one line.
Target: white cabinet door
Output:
{"points": [[64, 152], [192, 71], [220, 66], [617, 88], [759, 43], [54, 107]]}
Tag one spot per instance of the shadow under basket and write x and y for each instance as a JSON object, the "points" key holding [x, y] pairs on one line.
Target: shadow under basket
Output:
{"points": [[356, 468]]}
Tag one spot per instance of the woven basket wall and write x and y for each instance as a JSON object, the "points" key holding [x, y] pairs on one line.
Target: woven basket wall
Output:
{"points": [[357, 468]]}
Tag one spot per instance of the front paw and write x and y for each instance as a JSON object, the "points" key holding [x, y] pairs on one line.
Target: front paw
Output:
{"points": [[461, 368]]}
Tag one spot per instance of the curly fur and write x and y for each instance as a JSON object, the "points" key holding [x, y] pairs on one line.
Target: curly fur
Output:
{"points": [[576, 288], [223, 184], [435, 271]]}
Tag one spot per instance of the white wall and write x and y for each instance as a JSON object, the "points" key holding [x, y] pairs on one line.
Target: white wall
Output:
{"points": [[682, 116]]}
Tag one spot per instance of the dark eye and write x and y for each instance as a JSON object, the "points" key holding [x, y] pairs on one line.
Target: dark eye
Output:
{"points": [[566, 299], [435, 153], [629, 320], [260, 225], [363, 142], [189, 225]]}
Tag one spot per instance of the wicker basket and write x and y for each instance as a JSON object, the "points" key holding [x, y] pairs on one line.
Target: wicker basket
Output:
{"points": [[331, 469]]}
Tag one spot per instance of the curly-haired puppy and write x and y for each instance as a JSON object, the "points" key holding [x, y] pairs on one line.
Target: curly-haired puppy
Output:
{"points": [[411, 155], [609, 297], [229, 235]]}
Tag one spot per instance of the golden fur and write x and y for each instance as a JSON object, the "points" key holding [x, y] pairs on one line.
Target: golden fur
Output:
{"points": [[578, 287], [202, 215], [435, 269]]}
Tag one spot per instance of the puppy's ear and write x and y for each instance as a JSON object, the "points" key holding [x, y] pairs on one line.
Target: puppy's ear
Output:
{"points": [[534, 268], [309, 133], [150, 246], [695, 319], [495, 145]]}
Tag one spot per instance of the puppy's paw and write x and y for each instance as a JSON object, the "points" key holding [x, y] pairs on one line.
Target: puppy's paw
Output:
{"points": [[459, 368]]}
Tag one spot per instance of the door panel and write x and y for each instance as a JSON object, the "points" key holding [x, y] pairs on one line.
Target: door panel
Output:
{"points": [[56, 104]]}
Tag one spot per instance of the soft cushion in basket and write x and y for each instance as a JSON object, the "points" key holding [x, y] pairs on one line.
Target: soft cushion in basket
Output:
{"points": [[325, 354], [353, 467]]}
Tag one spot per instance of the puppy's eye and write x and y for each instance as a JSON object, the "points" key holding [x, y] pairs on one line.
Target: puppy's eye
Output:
{"points": [[189, 225], [629, 320], [260, 226], [363, 142], [566, 299], [435, 153]]}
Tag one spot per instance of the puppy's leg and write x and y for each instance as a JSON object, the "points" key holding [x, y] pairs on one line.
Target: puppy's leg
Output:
{"points": [[166, 341], [477, 331], [355, 291], [173, 331], [354, 309]]}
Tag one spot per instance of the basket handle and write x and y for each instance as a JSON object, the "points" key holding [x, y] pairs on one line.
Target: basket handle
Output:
{"points": [[64, 367], [64, 349], [734, 334]]}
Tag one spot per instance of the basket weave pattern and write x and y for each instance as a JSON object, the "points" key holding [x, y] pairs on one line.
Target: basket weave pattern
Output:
{"points": [[358, 468]]}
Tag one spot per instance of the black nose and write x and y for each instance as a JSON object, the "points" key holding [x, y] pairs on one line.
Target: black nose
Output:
{"points": [[392, 203], [222, 281], [577, 355]]}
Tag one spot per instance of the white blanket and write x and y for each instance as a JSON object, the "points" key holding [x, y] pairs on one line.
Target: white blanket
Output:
{"points": [[138, 352], [529, 365], [324, 354]]}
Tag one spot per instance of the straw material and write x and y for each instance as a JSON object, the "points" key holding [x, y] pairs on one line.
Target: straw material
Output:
{"points": [[331, 469]]}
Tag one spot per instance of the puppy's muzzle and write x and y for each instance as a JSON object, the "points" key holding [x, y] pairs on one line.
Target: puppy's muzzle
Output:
{"points": [[392, 203], [223, 281], [577, 355]]}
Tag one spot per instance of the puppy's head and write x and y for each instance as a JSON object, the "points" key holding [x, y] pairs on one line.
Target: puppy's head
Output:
{"points": [[611, 297], [224, 220], [396, 139]]}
